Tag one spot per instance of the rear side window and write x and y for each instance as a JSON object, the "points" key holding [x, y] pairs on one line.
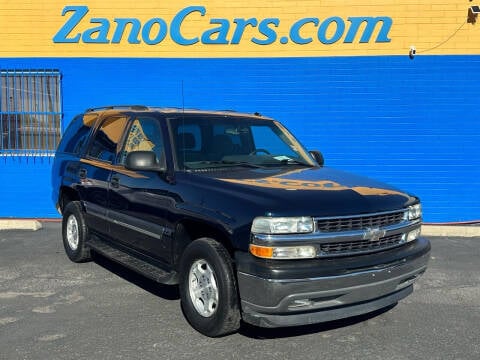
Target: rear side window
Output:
{"points": [[105, 143], [75, 138]]}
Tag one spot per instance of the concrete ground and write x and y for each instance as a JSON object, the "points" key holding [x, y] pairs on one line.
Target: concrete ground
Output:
{"points": [[51, 308]]}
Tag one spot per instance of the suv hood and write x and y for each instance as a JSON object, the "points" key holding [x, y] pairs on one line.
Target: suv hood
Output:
{"points": [[294, 192]]}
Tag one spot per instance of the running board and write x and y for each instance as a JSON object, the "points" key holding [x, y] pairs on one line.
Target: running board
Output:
{"points": [[133, 263]]}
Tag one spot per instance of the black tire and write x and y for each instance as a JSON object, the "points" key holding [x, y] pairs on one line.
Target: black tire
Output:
{"points": [[224, 315], [75, 233]]}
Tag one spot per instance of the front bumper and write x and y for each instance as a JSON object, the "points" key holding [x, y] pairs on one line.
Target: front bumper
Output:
{"points": [[273, 298]]}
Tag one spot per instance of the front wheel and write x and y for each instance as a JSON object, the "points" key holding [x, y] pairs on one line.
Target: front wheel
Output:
{"points": [[75, 233], [208, 288]]}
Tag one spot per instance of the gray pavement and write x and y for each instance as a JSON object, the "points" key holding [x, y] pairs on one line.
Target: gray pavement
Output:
{"points": [[51, 308]]}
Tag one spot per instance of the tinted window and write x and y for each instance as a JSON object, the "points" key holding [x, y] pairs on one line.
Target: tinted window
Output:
{"points": [[220, 141], [76, 136], [266, 137], [104, 145], [144, 135], [192, 131]]}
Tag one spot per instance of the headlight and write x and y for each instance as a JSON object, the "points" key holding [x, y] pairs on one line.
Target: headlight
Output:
{"points": [[283, 252], [282, 225], [414, 212]]}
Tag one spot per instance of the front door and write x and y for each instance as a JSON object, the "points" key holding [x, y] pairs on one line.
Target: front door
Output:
{"points": [[139, 201]]}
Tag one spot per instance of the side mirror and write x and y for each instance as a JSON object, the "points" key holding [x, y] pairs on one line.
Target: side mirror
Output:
{"points": [[317, 155], [143, 161]]}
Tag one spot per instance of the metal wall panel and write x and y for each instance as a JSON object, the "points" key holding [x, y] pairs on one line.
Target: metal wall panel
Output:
{"points": [[412, 123]]}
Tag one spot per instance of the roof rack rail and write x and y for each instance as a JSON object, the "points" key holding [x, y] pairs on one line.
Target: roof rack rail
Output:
{"points": [[111, 107], [227, 110]]}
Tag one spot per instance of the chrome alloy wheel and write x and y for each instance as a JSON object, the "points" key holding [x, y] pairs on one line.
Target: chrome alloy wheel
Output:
{"points": [[202, 287], [72, 232]]}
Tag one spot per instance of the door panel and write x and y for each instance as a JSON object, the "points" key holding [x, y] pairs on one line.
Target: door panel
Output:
{"points": [[138, 209], [95, 171], [140, 202], [93, 187]]}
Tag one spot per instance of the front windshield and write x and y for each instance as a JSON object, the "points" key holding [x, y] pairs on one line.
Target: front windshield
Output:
{"points": [[213, 141]]}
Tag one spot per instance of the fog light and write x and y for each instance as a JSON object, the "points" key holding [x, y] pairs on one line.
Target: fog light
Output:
{"points": [[413, 235], [301, 303]]}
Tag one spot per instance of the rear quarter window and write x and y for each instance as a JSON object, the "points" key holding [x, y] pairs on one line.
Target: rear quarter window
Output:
{"points": [[76, 136]]}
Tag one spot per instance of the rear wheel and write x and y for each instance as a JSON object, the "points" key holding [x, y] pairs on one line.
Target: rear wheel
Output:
{"points": [[75, 233], [208, 288]]}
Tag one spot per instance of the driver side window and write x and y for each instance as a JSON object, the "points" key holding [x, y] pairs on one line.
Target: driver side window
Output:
{"points": [[145, 134]]}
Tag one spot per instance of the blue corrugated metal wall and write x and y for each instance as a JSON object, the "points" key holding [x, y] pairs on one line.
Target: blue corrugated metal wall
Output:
{"points": [[412, 123]]}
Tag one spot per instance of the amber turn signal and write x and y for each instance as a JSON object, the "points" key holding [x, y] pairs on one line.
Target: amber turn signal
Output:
{"points": [[261, 251]]}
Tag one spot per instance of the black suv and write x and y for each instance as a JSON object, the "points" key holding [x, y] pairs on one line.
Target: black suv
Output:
{"points": [[234, 210]]}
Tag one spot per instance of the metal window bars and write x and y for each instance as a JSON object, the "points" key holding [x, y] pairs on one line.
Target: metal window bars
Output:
{"points": [[30, 112]]}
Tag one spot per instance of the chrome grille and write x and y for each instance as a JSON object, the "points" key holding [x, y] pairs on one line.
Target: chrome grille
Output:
{"points": [[359, 222], [360, 246]]}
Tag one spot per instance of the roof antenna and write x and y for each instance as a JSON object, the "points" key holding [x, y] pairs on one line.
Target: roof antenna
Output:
{"points": [[183, 125], [183, 100]]}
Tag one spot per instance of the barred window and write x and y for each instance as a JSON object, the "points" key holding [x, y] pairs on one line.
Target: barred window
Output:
{"points": [[30, 112]]}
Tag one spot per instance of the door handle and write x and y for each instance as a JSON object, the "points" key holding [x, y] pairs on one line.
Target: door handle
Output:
{"points": [[82, 173], [115, 182]]}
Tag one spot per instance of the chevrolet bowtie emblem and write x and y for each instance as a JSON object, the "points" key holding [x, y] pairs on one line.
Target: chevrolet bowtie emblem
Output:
{"points": [[374, 234]]}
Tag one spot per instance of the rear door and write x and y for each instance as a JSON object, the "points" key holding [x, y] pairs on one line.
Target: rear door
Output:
{"points": [[95, 171]]}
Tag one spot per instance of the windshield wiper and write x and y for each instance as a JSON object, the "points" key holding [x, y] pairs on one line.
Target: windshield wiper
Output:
{"points": [[295, 162], [224, 163], [231, 163], [241, 163], [289, 162]]}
